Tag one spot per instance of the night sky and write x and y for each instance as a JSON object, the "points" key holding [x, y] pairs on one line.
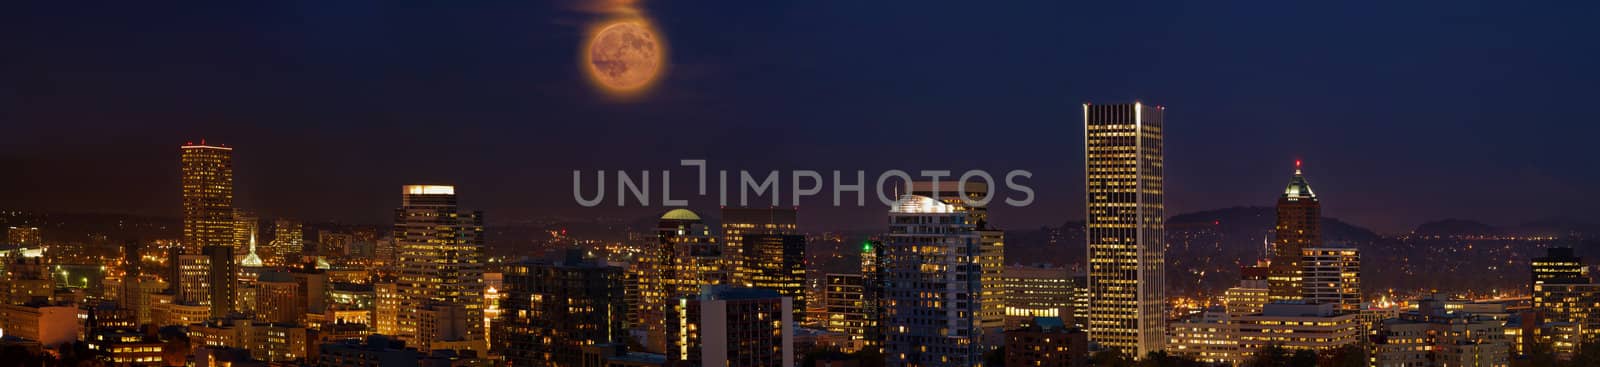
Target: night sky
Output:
{"points": [[1404, 112]]}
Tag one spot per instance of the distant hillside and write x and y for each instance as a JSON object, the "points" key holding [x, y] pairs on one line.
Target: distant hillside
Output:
{"points": [[1245, 221], [1455, 227]]}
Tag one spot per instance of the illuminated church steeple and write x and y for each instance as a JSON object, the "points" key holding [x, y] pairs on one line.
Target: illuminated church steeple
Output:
{"points": [[252, 260]]}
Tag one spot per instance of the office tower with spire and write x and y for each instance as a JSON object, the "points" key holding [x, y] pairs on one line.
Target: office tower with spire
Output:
{"points": [[440, 268], [933, 290], [1297, 229], [1125, 226], [207, 179]]}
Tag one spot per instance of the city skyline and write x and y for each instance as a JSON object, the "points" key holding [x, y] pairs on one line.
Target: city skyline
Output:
{"points": [[620, 183], [519, 104]]}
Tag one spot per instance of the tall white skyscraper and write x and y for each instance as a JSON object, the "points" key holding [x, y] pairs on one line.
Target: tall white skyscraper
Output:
{"points": [[441, 262], [1126, 227]]}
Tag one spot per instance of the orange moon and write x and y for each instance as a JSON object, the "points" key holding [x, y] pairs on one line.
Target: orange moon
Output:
{"points": [[624, 56]]}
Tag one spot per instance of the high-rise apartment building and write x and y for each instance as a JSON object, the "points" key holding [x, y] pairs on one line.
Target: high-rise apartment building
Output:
{"points": [[1333, 275], [991, 248], [738, 222], [1297, 229], [440, 270], [552, 309], [207, 179], [933, 291], [1125, 225], [727, 326]]}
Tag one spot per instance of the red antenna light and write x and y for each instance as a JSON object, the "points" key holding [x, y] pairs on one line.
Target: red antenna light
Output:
{"points": [[1297, 163]]}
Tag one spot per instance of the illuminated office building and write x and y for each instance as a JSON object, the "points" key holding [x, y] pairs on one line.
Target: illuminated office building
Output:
{"points": [[552, 309], [193, 274], [738, 222], [1125, 226], [1333, 275], [1208, 337], [27, 281], [1038, 291], [279, 299], [386, 310], [1297, 229], [1242, 300], [1297, 325], [441, 266], [1559, 265], [207, 179], [847, 311], [24, 236], [778, 263], [288, 242], [932, 289]]}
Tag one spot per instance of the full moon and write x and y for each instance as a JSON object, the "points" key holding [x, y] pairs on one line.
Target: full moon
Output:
{"points": [[624, 56]]}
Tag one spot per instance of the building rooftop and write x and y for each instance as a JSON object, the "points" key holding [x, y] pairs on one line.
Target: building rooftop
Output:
{"points": [[728, 293], [1299, 188], [680, 214]]}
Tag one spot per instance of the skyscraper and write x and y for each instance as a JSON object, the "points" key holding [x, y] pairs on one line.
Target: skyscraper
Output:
{"points": [[207, 178], [554, 308], [933, 294], [1125, 226], [777, 263], [737, 222], [223, 276], [1297, 229], [991, 248], [441, 264], [683, 257]]}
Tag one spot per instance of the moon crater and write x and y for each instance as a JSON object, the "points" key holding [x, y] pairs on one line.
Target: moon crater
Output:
{"points": [[624, 56]]}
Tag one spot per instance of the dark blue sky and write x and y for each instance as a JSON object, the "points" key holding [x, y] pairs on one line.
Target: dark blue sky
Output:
{"points": [[1403, 111]]}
